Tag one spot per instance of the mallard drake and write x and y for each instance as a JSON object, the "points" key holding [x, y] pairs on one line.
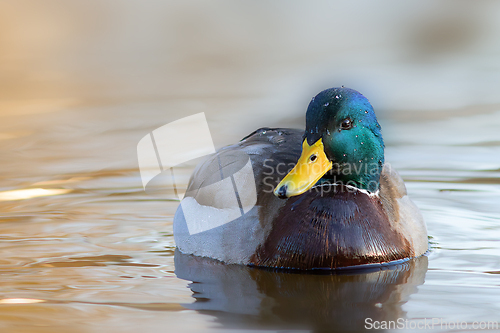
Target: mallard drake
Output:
{"points": [[324, 198]]}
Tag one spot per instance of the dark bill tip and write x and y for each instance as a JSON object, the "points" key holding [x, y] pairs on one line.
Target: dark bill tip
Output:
{"points": [[281, 193]]}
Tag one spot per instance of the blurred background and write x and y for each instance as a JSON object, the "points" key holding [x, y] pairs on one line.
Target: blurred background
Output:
{"points": [[246, 64], [81, 82]]}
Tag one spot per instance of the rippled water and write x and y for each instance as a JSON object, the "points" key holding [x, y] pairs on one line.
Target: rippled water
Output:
{"points": [[85, 249]]}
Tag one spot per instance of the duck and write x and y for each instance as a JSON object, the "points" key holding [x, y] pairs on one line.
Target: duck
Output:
{"points": [[323, 198]]}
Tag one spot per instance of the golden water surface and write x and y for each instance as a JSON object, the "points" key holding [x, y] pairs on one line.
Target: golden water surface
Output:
{"points": [[83, 248]]}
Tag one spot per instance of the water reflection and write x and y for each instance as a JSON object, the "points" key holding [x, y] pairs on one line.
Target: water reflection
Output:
{"points": [[258, 298]]}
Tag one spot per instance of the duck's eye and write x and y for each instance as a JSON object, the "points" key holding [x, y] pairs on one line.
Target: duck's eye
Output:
{"points": [[346, 124], [313, 157]]}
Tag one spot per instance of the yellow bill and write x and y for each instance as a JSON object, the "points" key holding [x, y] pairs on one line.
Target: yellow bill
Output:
{"points": [[312, 165]]}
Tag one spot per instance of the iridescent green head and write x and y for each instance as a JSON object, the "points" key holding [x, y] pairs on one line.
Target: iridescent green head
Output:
{"points": [[342, 143]]}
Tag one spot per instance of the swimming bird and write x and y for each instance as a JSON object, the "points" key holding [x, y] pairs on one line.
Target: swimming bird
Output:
{"points": [[324, 198]]}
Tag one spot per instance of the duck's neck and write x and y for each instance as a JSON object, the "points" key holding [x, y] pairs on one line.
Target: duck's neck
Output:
{"points": [[363, 175]]}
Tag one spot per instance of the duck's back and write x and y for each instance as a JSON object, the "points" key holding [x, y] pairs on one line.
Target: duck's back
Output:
{"points": [[218, 218]]}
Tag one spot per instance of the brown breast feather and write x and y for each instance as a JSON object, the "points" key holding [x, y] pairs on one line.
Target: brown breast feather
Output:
{"points": [[340, 228]]}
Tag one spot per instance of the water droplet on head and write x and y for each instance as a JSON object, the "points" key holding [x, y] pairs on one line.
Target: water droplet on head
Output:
{"points": [[337, 96], [355, 150], [327, 132], [345, 155], [326, 104], [362, 143], [342, 86], [360, 161], [366, 111], [356, 136]]}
